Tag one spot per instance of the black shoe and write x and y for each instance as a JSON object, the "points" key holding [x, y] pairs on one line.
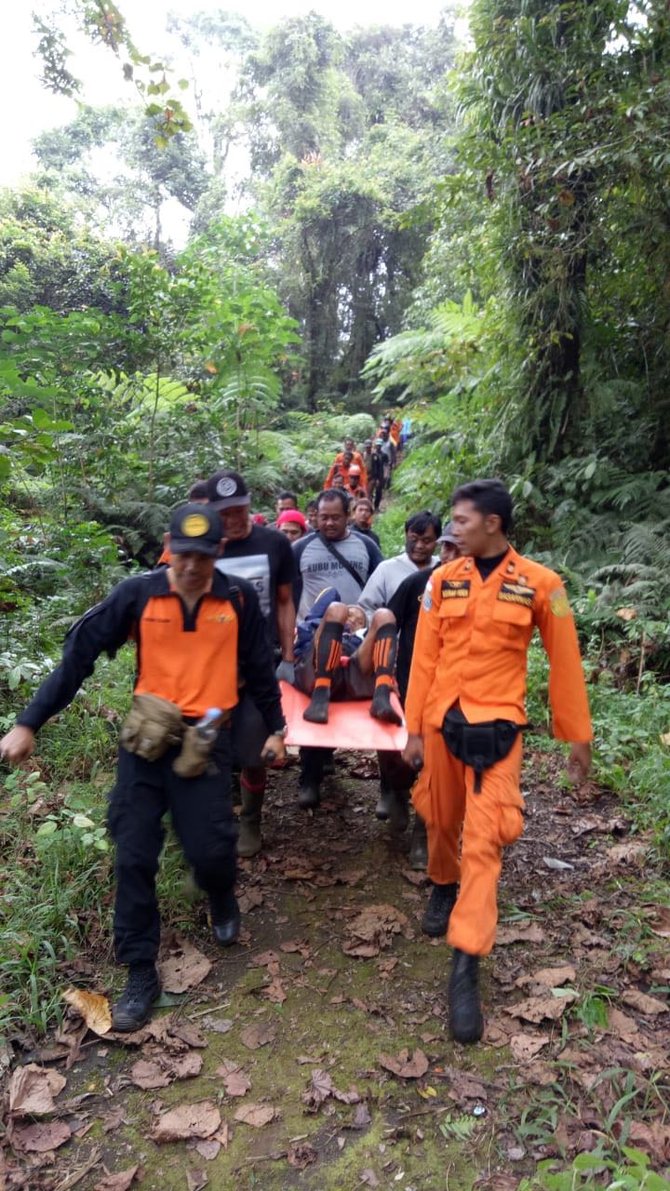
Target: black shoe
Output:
{"points": [[226, 921], [317, 709], [381, 707], [466, 1023], [440, 904], [133, 1007], [399, 812], [308, 797], [418, 848]]}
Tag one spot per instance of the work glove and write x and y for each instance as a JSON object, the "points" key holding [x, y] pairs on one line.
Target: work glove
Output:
{"points": [[286, 672]]}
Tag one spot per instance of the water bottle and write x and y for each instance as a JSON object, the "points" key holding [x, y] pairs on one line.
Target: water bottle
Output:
{"points": [[207, 728]]}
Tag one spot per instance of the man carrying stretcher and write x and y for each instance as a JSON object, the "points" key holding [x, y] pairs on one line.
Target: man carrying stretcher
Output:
{"points": [[337, 658]]}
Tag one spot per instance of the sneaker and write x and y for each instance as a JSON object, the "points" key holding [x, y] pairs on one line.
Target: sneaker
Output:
{"points": [[440, 904], [133, 1008], [226, 921], [466, 1023]]}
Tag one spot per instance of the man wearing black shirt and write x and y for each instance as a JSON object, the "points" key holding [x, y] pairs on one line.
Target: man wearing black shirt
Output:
{"points": [[265, 559]]}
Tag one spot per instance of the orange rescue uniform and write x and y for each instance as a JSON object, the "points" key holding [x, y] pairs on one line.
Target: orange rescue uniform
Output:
{"points": [[339, 463], [471, 650]]}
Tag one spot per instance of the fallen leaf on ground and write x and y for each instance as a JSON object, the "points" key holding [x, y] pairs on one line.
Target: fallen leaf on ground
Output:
{"points": [[112, 1119], [373, 929], [320, 1088], [32, 1090], [218, 1025], [249, 900], [647, 1005], [293, 945], [235, 1081], [301, 1154], [184, 968], [196, 1180], [117, 1182], [462, 1085], [660, 923], [537, 1009], [361, 1118], [255, 1114], [265, 960], [654, 1137], [39, 1139], [413, 877], [254, 1037], [526, 1046], [405, 1064], [549, 977], [521, 932], [147, 1073], [369, 1178], [93, 1007], [275, 992], [622, 1026], [186, 1121], [632, 852]]}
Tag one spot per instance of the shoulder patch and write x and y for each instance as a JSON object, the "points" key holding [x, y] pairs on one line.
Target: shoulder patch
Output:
{"points": [[455, 589], [559, 603], [427, 601]]}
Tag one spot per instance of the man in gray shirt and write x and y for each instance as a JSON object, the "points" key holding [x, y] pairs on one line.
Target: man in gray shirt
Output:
{"points": [[421, 533], [333, 556]]}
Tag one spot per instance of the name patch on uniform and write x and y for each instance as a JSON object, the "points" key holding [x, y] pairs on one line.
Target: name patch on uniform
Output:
{"points": [[455, 589], [517, 593]]}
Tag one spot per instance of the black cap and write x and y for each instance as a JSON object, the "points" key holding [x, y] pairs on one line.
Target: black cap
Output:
{"points": [[227, 488], [195, 528], [448, 535]]}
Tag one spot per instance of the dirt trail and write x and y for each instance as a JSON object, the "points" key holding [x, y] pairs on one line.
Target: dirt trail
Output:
{"points": [[327, 1028]]}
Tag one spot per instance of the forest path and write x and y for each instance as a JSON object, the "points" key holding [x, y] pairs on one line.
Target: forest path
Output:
{"points": [[332, 985]]}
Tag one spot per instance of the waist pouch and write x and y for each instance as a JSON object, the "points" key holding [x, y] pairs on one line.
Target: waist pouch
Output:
{"points": [[151, 727], [196, 748], [479, 745]]}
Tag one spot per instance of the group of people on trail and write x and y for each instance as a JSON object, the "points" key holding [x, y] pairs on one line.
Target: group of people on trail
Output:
{"points": [[367, 472], [235, 607]]}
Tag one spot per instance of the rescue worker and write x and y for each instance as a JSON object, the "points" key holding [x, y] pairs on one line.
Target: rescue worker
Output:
{"points": [[355, 487], [376, 473], [192, 629], [465, 704], [356, 458], [340, 467], [265, 558]]}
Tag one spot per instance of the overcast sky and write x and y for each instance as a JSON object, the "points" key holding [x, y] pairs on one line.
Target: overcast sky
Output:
{"points": [[28, 109]]}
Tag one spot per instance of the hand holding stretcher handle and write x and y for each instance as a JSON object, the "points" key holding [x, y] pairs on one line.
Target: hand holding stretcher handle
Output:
{"points": [[273, 750]]}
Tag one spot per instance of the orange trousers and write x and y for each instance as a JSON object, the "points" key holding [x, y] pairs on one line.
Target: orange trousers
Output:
{"points": [[477, 825]]}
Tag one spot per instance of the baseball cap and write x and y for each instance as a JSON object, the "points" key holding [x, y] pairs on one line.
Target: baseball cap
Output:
{"points": [[292, 515], [448, 535], [195, 528], [227, 488]]}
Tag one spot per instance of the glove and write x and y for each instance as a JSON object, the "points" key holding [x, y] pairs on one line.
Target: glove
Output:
{"points": [[286, 672]]}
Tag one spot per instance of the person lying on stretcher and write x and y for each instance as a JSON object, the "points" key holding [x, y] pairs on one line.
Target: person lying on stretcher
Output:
{"points": [[338, 657]]}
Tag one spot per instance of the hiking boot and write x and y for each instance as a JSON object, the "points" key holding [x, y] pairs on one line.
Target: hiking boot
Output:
{"points": [[383, 807], [309, 797], [440, 904], [317, 708], [399, 812], [418, 846], [226, 920], [466, 1023], [249, 841], [133, 1007]]}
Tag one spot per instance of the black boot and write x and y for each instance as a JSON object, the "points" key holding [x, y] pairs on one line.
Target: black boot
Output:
{"points": [[440, 904], [418, 848], [383, 807], [309, 797], [465, 1012], [226, 919], [133, 1007], [381, 707], [399, 812]]}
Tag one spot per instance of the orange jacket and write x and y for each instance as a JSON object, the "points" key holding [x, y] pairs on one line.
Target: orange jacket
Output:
{"points": [[472, 643], [339, 462]]}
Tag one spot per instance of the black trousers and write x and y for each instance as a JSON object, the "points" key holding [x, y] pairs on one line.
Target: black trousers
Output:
{"points": [[394, 773], [202, 815]]}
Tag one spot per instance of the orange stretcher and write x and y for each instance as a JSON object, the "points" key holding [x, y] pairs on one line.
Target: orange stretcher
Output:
{"points": [[350, 725]]}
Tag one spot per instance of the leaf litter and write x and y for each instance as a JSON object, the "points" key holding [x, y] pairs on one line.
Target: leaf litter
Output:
{"points": [[573, 1002]]}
